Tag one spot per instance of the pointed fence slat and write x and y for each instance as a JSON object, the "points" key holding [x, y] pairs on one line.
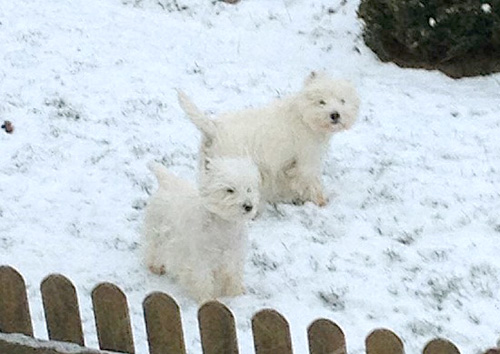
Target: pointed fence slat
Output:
{"points": [[271, 333], [163, 325], [112, 318], [217, 329], [61, 308], [383, 341], [14, 308], [440, 346], [325, 337]]}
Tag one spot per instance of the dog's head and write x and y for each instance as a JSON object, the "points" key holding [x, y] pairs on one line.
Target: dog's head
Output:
{"points": [[328, 105], [230, 188]]}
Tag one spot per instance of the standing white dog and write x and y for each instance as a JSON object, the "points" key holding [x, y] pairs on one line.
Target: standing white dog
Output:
{"points": [[199, 236], [286, 139]]}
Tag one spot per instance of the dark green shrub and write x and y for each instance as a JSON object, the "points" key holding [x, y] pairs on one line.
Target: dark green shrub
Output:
{"points": [[459, 37]]}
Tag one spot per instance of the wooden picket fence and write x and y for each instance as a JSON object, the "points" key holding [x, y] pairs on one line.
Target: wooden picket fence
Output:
{"points": [[163, 325]]}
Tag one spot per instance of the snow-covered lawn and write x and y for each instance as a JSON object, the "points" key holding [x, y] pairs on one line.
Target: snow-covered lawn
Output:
{"points": [[409, 241]]}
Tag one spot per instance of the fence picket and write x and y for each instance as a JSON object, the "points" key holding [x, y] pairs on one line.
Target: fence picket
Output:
{"points": [[14, 308], [217, 329], [325, 337], [383, 341], [163, 325], [112, 318], [440, 346], [61, 308], [271, 333]]}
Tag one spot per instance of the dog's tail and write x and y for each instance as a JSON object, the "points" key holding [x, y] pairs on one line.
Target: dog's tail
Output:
{"points": [[202, 122], [162, 175]]}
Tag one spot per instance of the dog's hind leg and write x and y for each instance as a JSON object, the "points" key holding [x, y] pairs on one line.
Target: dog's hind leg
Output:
{"points": [[153, 255], [156, 241]]}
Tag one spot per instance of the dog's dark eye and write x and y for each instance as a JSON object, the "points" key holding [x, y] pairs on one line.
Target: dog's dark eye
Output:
{"points": [[322, 102], [230, 190], [342, 101]]}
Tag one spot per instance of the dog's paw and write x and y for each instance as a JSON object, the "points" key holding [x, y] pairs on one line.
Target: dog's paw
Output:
{"points": [[159, 270], [203, 298], [235, 290], [232, 284], [320, 201], [202, 295], [298, 202]]}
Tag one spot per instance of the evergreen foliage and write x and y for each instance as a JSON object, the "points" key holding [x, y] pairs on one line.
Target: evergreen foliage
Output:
{"points": [[460, 37]]}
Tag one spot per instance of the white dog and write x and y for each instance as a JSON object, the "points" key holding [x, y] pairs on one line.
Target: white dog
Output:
{"points": [[199, 236], [286, 139]]}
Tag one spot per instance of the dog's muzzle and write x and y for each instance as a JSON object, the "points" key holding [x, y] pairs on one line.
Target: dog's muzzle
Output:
{"points": [[248, 207], [335, 117]]}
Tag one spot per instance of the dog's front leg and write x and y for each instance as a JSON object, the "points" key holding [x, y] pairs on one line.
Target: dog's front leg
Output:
{"points": [[231, 281], [306, 185], [313, 190], [201, 285]]}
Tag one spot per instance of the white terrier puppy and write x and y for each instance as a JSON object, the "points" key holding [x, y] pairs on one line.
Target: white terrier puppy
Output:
{"points": [[199, 236], [286, 139]]}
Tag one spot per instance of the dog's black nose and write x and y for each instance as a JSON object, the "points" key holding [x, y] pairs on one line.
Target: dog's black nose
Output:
{"points": [[335, 117], [248, 208]]}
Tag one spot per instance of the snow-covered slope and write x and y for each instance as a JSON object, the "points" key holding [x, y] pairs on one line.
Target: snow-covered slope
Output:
{"points": [[411, 236]]}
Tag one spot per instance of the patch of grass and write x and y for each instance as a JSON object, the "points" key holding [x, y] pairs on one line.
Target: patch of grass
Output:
{"points": [[333, 299], [63, 109], [264, 262], [460, 38]]}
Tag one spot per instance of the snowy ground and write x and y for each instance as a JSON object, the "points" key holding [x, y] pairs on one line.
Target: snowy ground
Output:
{"points": [[411, 237]]}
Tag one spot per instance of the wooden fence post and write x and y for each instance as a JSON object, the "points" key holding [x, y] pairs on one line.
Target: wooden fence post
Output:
{"points": [[112, 319], [440, 346], [383, 341], [217, 329], [14, 308], [271, 333], [493, 351], [325, 337], [61, 308], [163, 324]]}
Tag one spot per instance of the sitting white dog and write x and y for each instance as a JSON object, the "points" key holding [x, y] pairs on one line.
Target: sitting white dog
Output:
{"points": [[199, 236], [286, 139]]}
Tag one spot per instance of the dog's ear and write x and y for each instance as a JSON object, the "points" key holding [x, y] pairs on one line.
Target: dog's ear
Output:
{"points": [[313, 75], [207, 164]]}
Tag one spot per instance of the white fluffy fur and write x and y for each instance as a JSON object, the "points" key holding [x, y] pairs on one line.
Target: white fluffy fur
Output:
{"points": [[286, 139], [199, 236]]}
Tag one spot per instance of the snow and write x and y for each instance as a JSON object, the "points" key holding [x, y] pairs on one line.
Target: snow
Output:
{"points": [[409, 240], [486, 8]]}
